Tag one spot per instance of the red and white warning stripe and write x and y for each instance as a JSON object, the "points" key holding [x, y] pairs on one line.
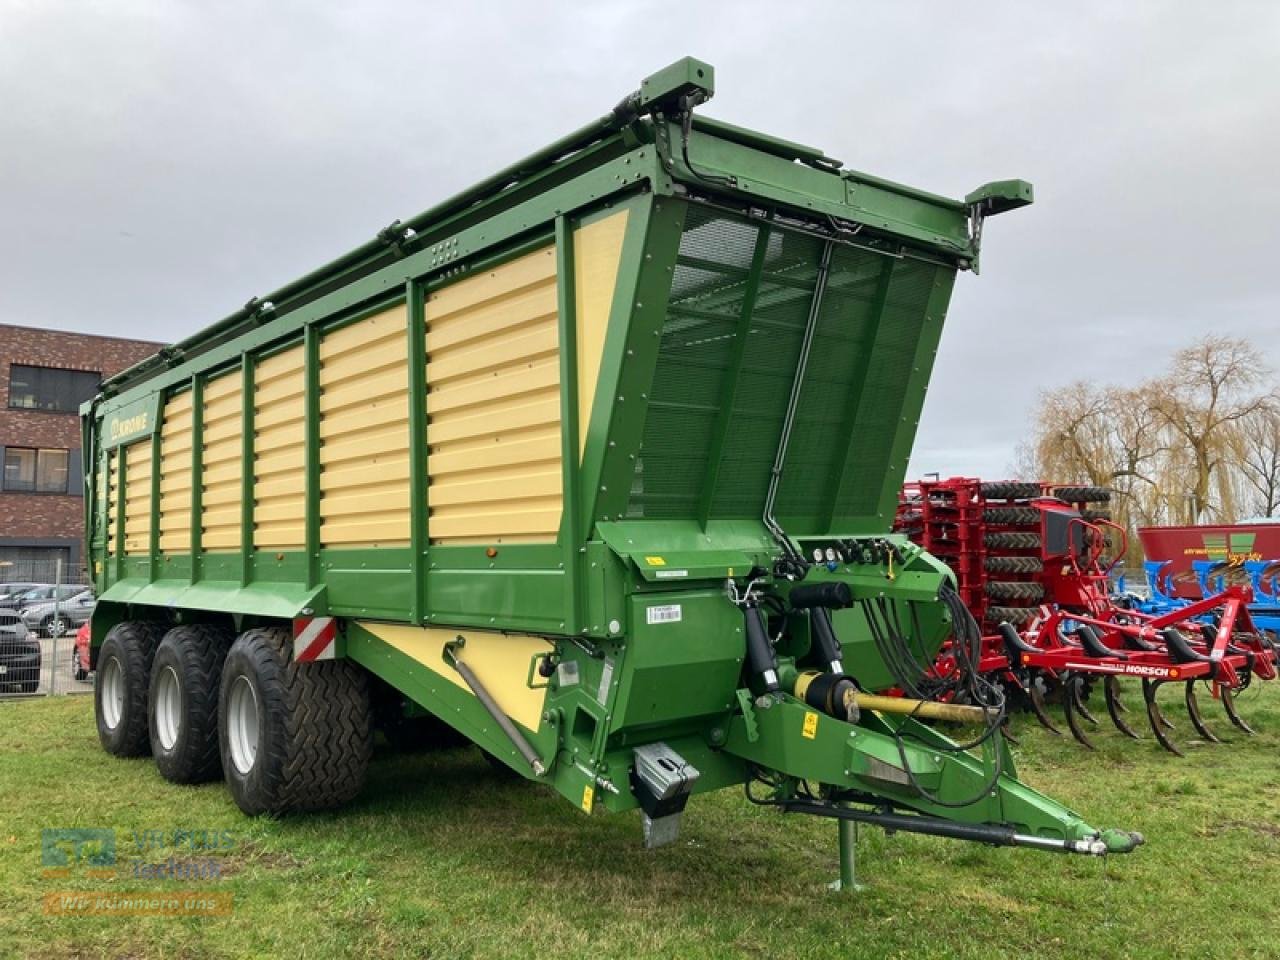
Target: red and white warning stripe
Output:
{"points": [[314, 638]]}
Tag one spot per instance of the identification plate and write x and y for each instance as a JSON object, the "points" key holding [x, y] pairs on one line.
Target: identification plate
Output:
{"points": [[670, 613]]}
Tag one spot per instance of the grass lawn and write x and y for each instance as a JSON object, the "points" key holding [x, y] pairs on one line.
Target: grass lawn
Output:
{"points": [[441, 857]]}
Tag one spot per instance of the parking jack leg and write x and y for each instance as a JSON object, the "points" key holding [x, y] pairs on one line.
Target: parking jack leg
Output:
{"points": [[848, 855]]}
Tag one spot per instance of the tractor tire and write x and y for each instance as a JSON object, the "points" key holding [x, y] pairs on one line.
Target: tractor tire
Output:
{"points": [[1018, 616], [121, 689], [1013, 565], [1010, 490], [182, 712], [1012, 541], [1092, 516], [1083, 494], [1012, 516], [1014, 590], [292, 736]]}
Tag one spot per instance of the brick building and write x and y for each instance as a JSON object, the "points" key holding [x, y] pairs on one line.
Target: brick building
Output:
{"points": [[44, 377]]}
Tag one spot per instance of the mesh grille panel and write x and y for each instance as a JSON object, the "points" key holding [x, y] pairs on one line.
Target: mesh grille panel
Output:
{"points": [[837, 361], [851, 400], [707, 292], [880, 412], [768, 366]]}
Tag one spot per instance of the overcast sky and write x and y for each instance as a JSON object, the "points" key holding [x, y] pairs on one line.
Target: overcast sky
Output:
{"points": [[161, 162]]}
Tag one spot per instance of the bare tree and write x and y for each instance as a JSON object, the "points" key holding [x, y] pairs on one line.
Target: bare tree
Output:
{"points": [[1071, 433], [1259, 458], [1199, 441], [1203, 402]]}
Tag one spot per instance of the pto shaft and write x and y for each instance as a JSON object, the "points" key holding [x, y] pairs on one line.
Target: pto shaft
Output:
{"points": [[925, 709]]}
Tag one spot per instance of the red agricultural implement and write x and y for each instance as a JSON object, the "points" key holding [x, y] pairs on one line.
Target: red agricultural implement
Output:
{"points": [[1066, 634]]}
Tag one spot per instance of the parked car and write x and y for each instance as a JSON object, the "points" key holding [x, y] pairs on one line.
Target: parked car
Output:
{"points": [[50, 618], [80, 654], [20, 661], [11, 626], [44, 592], [10, 592]]}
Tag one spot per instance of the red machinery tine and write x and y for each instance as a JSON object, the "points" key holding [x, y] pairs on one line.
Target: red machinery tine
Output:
{"points": [[1117, 709], [1193, 711], [1158, 722], [1076, 691], [1069, 700], [1229, 704]]}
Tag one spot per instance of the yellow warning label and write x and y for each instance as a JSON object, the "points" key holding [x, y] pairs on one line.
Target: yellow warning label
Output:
{"points": [[655, 561], [588, 797], [810, 729]]}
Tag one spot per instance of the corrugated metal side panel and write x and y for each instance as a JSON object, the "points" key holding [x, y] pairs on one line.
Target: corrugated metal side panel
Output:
{"points": [[137, 498], [493, 405], [279, 445], [222, 462], [113, 499], [175, 475], [364, 432]]}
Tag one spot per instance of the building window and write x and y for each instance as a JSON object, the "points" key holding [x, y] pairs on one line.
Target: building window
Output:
{"points": [[27, 470], [49, 388]]}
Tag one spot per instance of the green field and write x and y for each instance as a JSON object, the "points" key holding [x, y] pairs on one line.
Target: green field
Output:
{"points": [[442, 857]]}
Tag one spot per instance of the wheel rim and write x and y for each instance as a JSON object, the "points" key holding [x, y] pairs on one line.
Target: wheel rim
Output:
{"points": [[112, 681], [57, 628], [168, 707], [242, 725]]}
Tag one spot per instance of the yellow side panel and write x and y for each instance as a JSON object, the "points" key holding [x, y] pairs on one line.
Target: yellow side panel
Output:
{"points": [[279, 441], [499, 660], [222, 462], [175, 475], [364, 432], [597, 253], [137, 498], [113, 500], [493, 405]]}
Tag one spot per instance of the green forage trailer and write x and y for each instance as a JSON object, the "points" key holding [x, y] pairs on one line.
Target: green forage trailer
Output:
{"points": [[593, 463]]}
